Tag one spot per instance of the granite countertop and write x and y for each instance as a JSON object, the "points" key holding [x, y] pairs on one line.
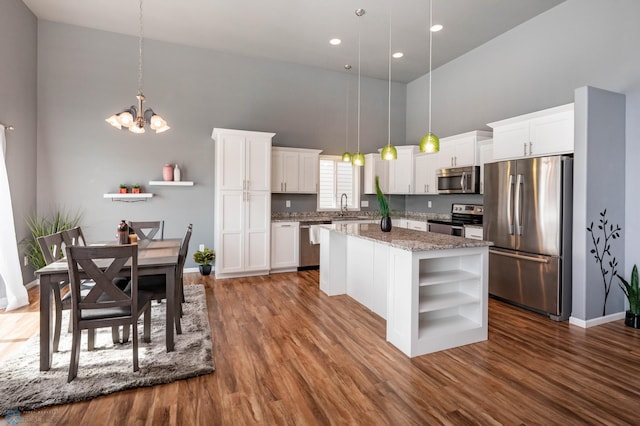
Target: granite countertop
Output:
{"points": [[406, 239]]}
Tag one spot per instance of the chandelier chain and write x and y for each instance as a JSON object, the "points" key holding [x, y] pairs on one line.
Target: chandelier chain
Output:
{"points": [[140, 41]]}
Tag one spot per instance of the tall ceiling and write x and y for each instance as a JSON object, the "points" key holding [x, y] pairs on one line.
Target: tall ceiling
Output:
{"points": [[298, 31]]}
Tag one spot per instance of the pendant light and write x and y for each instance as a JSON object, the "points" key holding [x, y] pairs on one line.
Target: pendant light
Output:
{"points": [[389, 152], [430, 142], [134, 118], [346, 157], [357, 159]]}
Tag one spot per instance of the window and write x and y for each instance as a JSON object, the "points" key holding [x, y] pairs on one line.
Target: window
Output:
{"points": [[337, 178]]}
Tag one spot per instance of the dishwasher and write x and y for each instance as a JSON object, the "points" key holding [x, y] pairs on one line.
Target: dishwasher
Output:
{"points": [[309, 253]]}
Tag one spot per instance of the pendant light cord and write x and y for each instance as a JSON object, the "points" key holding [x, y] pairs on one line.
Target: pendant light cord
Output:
{"points": [[389, 123], [359, 31], [430, 49], [140, 52], [346, 145]]}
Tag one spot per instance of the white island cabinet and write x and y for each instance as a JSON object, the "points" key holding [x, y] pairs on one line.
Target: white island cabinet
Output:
{"points": [[431, 288]]}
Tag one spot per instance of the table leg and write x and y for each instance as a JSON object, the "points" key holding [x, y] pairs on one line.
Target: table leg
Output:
{"points": [[171, 304], [46, 320]]}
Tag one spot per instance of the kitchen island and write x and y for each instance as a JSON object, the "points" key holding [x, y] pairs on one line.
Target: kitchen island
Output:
{"points": [[431, 288]]}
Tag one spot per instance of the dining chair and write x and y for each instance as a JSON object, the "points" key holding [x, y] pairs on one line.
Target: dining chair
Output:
{"points": [[157, 285], [106, 305], [74, 237], [147, 230], [53, 249]]}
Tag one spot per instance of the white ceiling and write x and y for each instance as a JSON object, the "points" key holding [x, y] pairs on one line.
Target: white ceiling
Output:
{"points": [[298, 31]]}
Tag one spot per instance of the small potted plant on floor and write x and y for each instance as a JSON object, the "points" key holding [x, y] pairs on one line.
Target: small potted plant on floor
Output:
{"points": [[631, 290], [123, 188], [385, 222], [204, 258], [135, 189]]}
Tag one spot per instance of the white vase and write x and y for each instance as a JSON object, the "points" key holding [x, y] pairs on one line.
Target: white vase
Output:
{"points": [[176, 173]]}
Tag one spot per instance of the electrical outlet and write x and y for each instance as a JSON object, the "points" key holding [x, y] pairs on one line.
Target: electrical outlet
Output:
{"points": [[288, 203], [26, 261], [201, 248], [364, 203], [429, 204]]}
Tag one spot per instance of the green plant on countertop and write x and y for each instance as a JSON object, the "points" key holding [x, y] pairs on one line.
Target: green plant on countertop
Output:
{"points": [[39, 226], [601, 253], [382, 200], [631, 290], [204, 257]]}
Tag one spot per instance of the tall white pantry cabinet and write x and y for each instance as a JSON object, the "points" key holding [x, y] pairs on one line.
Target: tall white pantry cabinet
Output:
{"points": [[242, 221]]}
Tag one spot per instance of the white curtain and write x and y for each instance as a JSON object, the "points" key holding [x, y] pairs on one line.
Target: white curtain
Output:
{"points": [[10, 272]]}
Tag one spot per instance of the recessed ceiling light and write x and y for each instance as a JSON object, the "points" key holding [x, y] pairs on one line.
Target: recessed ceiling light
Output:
{"points": [[397, 55], [335, 41], [436, 27]]}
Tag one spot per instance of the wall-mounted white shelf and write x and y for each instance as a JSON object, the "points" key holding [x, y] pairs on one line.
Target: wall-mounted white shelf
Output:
{"points": [[170, 183], [129, 197]]}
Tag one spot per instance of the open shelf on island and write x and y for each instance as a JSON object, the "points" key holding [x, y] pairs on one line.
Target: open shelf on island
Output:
{"points": [[170, 183]]}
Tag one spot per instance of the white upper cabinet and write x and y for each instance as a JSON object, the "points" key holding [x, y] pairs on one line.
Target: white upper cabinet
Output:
{"points": [[537, 134], [462, 150], [485, 151], [374, 166], [401, 179], [425, 169], [294, 170], [246, 151]]}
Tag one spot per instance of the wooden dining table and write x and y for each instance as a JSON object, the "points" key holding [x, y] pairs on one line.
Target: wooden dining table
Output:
{"points": [[155, 257]]}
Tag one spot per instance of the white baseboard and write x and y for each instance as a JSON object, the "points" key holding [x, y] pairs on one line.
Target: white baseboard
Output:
{"points": [[596, 321]]}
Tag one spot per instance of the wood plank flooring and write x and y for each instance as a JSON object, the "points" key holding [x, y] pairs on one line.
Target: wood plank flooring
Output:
{"points": [[287, 354]]}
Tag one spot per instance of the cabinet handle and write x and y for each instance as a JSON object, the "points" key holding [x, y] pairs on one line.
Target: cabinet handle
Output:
{"points": [[425, 187], [525, 148], [285, 187], [530, 145]]}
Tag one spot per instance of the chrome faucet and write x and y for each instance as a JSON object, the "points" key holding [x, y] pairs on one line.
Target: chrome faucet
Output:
{"points": [[343, 209]]}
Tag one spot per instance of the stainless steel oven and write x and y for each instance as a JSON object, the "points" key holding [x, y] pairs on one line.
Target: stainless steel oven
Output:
{"points": [[459, 180], [461, 215]]}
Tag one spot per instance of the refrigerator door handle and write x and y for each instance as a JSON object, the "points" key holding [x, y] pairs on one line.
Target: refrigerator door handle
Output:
{"points": [[509, 206], [519, 256], [518, 207]]}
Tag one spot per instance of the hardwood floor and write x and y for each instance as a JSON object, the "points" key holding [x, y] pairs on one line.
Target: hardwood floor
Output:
{"points": [[285, 353]]}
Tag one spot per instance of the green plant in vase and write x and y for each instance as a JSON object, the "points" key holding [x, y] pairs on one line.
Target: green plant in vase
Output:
{"points": [[632, 291], [39, 226], [204, 258], [385, 222]]}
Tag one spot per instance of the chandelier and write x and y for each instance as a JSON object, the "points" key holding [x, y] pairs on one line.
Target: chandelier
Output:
{"points": [[133, 118]]}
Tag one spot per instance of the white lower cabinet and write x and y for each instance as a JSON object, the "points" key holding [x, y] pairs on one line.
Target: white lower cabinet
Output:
{"points": [[285, 242]]}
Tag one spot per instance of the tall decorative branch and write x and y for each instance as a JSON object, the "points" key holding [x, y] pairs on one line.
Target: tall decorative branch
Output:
{"points": [[602, 253]]}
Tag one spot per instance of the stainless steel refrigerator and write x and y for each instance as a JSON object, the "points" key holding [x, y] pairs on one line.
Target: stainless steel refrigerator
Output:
{"points": [[527, 215]]}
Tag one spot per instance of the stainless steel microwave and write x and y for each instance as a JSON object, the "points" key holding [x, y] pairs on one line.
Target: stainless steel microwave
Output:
{"points": [[459, 180]]}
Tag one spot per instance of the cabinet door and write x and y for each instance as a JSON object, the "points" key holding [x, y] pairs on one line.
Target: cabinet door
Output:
{"points": [[290, 171], [417, 225], [511, 141], [552, 134], [277, 167], [284, 245], [401, 174], [257, 230], [426, 166], [230, 232], [465, 152], [257, 169], [308, 173], [231, 149], [375, 166]]}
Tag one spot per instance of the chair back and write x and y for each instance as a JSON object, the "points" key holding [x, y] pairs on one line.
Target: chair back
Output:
{"points": [[103, 264], [74, 237], [52, 247], [182, 254], [147, 230]]}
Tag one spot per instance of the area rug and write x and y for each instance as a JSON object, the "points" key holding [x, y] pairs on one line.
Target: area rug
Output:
{"points": [[109, 368]]}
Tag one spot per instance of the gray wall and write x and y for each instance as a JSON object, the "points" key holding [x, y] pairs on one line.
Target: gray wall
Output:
{"points": [[87, 75], [18, 53], [538, 65]]}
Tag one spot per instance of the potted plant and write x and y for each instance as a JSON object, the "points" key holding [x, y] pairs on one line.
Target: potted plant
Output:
{"points": [[135, 189], [631, 290], [204, 258], [385, 222], [123, 188], [39, 226]]}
